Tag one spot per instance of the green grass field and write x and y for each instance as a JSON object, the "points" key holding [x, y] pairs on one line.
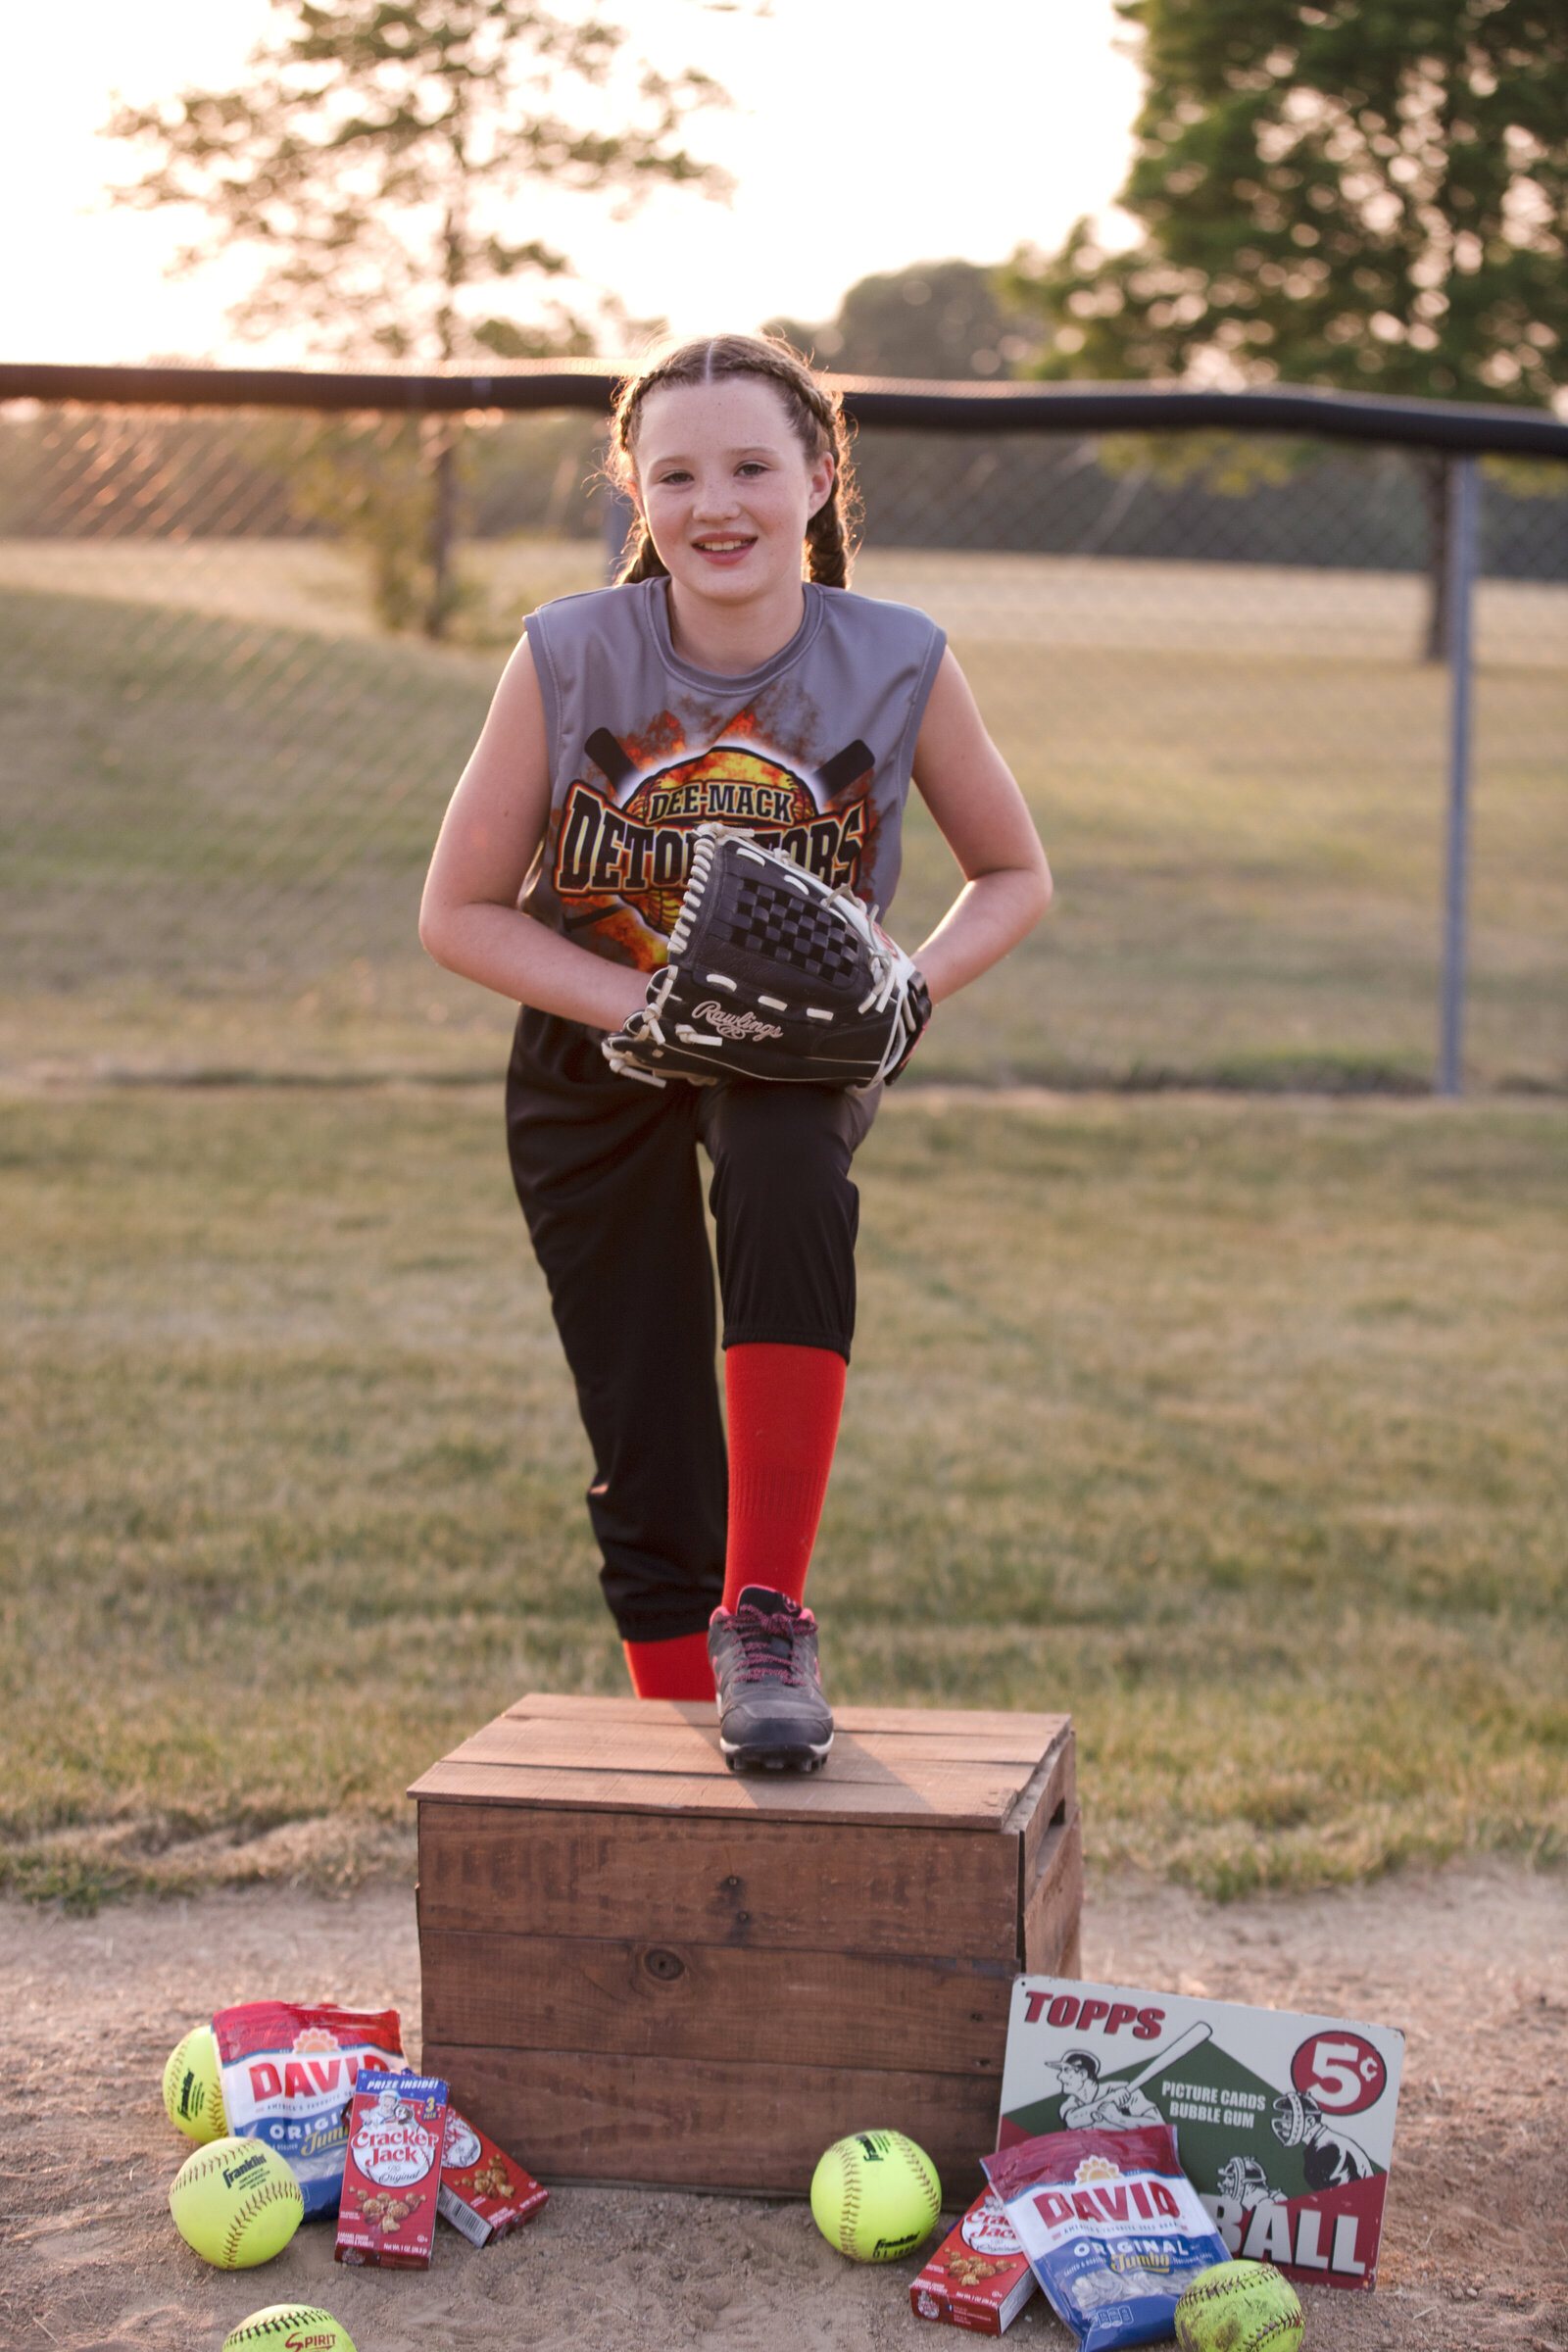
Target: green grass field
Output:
{"points": [[1233, 1425], [1232, 1422], [220, 790]]}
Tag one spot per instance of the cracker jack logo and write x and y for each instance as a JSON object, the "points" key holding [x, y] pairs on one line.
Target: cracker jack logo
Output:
{"points": [[392, 2146], [636, 851], [986, 2228]]}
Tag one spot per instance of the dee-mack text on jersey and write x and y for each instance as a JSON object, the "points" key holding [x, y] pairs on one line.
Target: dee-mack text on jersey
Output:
{"points": [[603, 852]]}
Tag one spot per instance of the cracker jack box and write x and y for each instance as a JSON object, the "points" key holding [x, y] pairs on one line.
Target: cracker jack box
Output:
{"points": [[1285, 2122], [979, 2277], [1113, 2229], [288, 2079], [484, 2192], [393, 2171]]}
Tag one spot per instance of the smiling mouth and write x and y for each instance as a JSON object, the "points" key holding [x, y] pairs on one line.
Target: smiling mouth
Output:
{"points": [[723, 547]]}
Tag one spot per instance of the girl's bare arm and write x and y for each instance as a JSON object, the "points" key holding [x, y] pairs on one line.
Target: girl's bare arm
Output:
{"points": [[969, 789], [469, 919]]}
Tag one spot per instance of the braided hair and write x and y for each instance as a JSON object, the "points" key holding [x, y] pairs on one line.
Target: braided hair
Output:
{"points": [[817, 418]]}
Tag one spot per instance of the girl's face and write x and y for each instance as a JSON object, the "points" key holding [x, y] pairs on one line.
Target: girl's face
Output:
{"points": [[725, 487]]}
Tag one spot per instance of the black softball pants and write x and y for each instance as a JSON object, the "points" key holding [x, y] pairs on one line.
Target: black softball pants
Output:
{"points": [[606, 1170]]}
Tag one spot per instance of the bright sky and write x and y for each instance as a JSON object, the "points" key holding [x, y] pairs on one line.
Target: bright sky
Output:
{"points": [[867, 135]]}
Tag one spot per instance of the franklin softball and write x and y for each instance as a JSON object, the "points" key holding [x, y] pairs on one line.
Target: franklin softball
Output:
{"points": [[236, 2203], [193, 2086], [875, 2196]]}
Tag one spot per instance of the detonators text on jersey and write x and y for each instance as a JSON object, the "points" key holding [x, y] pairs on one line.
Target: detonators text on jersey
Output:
{"points": [[633, 856], [622, 865]]}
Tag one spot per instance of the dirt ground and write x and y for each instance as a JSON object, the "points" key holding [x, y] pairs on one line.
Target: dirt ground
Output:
{"points": [[1471, 1963]]}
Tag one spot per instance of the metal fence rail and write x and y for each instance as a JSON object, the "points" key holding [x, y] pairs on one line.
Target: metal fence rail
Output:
{"points": [[1198, 623]]}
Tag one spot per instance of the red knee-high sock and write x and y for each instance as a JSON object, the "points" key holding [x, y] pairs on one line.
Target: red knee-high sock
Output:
{"points": [[676, 1669], [784, 1407]]}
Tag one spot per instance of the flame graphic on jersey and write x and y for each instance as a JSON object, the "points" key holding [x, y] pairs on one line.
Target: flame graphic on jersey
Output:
{"points": [[622, 866]]}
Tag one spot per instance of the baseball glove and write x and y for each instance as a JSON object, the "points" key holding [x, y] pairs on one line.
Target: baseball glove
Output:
{"points": [[775, 975]]}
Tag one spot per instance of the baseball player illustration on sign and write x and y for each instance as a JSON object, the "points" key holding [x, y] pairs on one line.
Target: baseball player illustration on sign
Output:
{"points": [[1087, 2102], [1243, 2183], [1329, 2156], [671, 848]]}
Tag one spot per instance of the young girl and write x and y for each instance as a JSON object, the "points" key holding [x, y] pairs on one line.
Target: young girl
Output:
{"points": [[711, 683]]}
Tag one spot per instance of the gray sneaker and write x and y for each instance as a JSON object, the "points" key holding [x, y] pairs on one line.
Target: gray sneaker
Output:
{"points": [[772, 1716]]}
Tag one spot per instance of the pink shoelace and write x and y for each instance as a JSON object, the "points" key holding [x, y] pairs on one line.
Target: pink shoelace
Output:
{"points": [[767, 1643]]}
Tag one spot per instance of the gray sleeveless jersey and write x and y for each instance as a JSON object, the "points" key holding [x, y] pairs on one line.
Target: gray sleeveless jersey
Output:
{"points": [[811, 753]]}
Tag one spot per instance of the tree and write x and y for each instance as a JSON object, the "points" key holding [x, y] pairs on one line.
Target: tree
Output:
{"points": [[934, 319], [376, 158], [1368, 193]]}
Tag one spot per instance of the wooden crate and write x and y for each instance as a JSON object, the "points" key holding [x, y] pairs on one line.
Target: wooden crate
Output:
{"points": [[640, 1967]]}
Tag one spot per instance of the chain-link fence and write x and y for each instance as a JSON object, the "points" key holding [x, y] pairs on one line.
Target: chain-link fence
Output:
{"points": [[227, 740]]}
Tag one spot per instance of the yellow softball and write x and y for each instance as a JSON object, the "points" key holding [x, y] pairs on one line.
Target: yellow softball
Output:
{"points": [[236, 2203], [875, 2195], [1240, 2307], [193, 2086], [289, 2327]]}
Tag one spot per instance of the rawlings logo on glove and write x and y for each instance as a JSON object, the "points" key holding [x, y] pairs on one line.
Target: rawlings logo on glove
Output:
{"points": [[772, 974], [735, 1024]]}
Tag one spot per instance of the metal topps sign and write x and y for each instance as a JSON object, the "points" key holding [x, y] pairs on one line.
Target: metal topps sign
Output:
{"points": [[1284, 2123]]}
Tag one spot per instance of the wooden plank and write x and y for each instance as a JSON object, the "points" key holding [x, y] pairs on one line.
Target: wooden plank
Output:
{"points": [[641, 1998], [723, 2125], [740, 1883], [1052, 1913], [1048, 1799], [683, 1747], [898, 1748], [954, 1797], [666, 1747], [1034, 1733]]}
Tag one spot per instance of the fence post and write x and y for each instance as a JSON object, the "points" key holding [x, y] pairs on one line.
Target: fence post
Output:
{"points": [[1464, 510]]}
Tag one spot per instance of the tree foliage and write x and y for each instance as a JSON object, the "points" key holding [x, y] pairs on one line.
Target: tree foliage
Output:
{"points": [[379, 151], [932, 319], [378, 159], [1357, 192]]}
